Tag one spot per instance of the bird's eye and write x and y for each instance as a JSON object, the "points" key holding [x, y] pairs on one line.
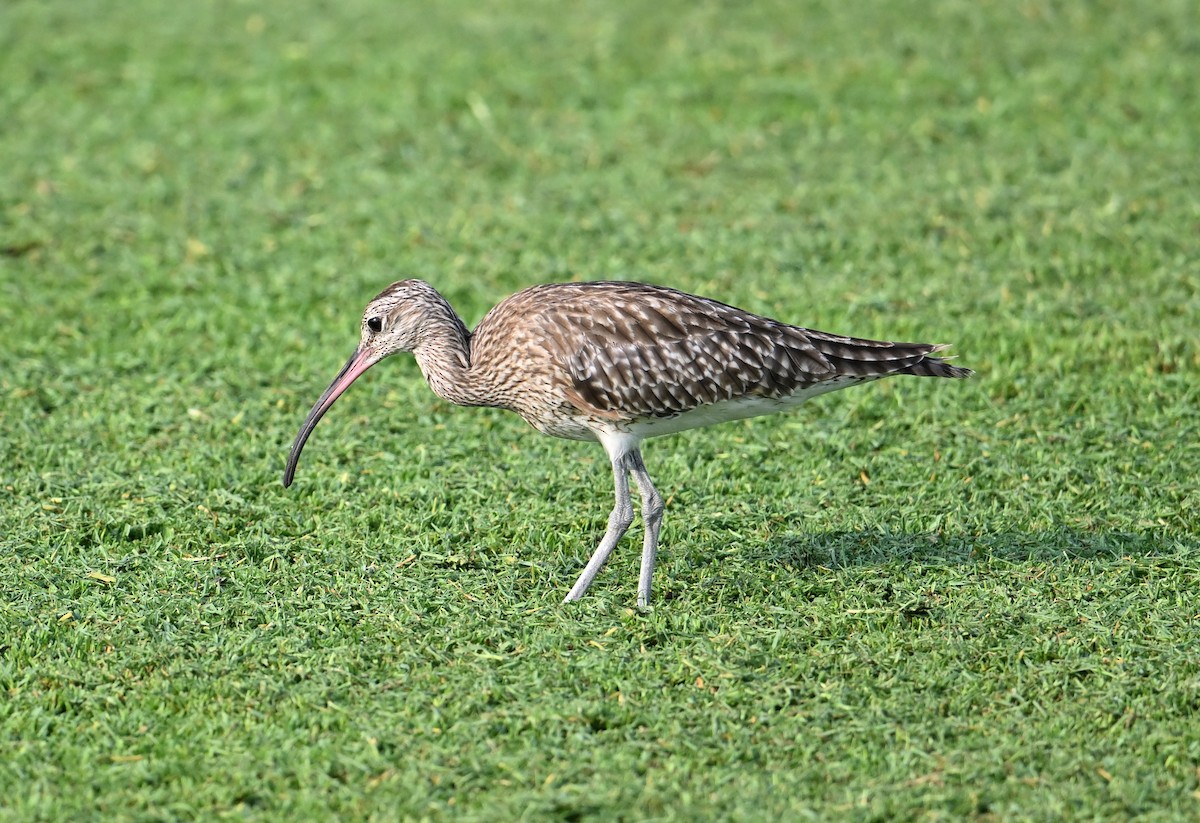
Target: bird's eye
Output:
{"points": [[375, 324]]}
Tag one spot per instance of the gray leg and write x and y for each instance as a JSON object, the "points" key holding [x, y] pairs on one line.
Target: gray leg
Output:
{"points": [[652, 512], [618, 524]]}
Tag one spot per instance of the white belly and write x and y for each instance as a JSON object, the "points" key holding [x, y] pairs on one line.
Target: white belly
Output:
{"points": [[737, 409]]}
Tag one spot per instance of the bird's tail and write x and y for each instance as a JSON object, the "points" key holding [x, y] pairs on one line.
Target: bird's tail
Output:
{"points": [[877, 358]]}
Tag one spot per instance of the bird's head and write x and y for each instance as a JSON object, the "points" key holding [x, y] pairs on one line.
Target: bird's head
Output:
{"points": [[399, 317], [397, 320]]}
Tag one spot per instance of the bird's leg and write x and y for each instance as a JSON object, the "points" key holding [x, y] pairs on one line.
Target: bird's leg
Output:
{"points": [[652, 513], [618, 524]]}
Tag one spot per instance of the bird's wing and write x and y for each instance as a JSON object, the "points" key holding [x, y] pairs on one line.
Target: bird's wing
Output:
{"points": [[655, 352]]}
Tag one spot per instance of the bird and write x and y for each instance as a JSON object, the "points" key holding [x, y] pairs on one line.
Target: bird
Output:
{"points": [[615, 362]]}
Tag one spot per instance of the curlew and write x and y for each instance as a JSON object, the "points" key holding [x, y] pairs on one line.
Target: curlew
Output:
{"points": [[616, 362]]}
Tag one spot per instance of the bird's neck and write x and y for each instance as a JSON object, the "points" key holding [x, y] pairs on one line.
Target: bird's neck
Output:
{"points": [[444, 356]]}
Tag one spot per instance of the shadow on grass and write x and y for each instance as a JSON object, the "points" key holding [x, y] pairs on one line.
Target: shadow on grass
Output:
{"points": [[864, 548]]}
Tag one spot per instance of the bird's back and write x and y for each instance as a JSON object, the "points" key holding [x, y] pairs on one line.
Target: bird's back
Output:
{"points": [[624, 352]]}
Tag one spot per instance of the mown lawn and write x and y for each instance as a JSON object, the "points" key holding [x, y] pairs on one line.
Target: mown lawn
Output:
{"points": [[917, 600]]}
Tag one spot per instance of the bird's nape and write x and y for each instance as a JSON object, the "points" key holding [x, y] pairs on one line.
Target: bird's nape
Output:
{"points": [[362, 359]]}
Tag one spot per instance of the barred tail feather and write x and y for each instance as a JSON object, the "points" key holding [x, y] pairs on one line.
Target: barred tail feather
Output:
{"points": [[938, 367], [878, 358]]}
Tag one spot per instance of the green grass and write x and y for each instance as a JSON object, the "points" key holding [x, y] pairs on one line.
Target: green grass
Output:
{"points": [[919, 600]]}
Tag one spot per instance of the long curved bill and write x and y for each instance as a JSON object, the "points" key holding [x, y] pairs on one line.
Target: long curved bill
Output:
{"points": [[359, 362]]}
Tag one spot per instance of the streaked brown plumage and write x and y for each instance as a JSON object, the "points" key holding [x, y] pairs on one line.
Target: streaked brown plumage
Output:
{"points": [[616, 362]]}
